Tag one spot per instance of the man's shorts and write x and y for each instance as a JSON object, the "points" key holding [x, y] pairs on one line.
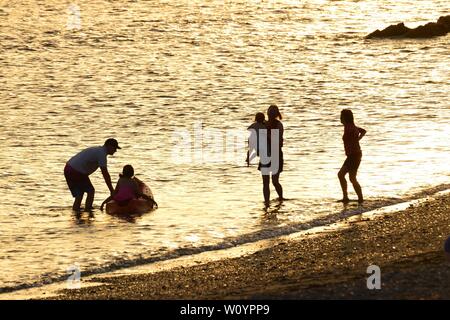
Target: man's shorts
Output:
{"points": [[353, 161], [78, 182]]}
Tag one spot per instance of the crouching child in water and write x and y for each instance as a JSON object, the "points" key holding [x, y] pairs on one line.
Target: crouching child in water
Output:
{"points": [[127, 189]]}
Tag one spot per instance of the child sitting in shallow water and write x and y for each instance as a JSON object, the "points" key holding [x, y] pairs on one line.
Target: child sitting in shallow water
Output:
{"points": [[127, 189]]}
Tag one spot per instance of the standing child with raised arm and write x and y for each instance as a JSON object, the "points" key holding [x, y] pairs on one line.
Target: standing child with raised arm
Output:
{"points": [[351, 137]]}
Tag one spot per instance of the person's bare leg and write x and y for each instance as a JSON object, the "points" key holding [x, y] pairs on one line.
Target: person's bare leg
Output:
{"points": [[89, 200], [341, 176], [277, 185], [266, 189], [356, 186], [77, 203]]}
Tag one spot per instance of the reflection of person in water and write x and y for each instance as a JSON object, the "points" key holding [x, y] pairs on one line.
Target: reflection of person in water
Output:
{"points": [[352, 135], [273, 123]]}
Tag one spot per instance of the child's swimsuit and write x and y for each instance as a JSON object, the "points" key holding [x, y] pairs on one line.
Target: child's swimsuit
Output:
{"points": [[124, 195], [352, 147]]}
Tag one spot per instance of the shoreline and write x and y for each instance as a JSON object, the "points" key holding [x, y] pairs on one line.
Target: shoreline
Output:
{"points": [[407, 245], [350, 212]]}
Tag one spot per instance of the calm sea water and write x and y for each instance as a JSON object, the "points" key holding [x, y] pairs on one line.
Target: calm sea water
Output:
{"points": [[75, 74]]}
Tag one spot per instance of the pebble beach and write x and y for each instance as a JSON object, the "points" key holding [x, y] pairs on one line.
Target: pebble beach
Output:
{"points": [[408, 246]]}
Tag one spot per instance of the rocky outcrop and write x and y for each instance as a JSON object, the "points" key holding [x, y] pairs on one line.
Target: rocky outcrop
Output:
{"points": [[432, 29]]}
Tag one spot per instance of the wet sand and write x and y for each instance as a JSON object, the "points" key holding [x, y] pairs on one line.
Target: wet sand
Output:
{"points": [[406, 245]]}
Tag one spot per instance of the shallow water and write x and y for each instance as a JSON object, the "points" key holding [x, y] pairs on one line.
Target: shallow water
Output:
{"points": [[144, 72]]}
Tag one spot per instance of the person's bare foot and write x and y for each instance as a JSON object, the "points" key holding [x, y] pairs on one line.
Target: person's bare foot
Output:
{"points": [[344, 200]]}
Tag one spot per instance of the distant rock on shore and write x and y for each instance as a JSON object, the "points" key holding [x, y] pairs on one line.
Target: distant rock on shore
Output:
{"points": [[432, 29]]}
